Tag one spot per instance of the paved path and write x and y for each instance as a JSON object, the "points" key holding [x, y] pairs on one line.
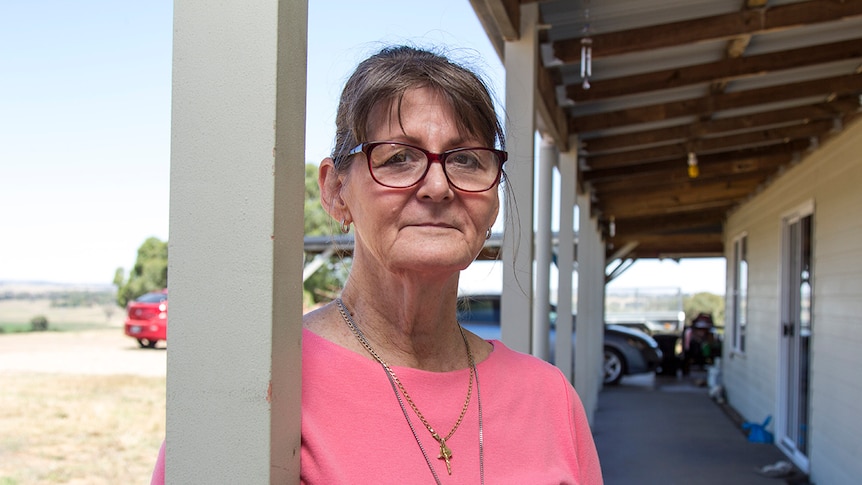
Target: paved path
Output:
{"points": [[665, 431], [103, 352]]}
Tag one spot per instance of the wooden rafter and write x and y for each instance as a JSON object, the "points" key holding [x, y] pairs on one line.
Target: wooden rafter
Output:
{"points": [[723, 70], [838, 86], [719, 27]]}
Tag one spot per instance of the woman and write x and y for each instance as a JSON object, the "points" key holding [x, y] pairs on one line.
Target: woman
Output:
{"points": [[394, 390]]}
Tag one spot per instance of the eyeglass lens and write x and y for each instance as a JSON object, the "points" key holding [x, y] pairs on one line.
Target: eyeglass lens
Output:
{"points": [[398, 165]]}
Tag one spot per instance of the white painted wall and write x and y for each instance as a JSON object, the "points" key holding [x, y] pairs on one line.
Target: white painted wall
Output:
{"points": [[831, 178]]}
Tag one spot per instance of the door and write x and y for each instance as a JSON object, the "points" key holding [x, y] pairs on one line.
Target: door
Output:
{"points": [[796, 333]]}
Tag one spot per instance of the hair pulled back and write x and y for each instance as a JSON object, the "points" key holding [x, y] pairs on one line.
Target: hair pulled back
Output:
{"points": [[386, 76]]}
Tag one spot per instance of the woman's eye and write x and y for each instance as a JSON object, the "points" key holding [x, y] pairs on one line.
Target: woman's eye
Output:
{"points": [[400, 157], [463, 160]]}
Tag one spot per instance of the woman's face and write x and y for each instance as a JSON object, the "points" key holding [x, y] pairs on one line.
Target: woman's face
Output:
{"points": [[430, 226]]}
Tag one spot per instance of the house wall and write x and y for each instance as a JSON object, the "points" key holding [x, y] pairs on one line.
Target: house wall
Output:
{"points": [[831, 179]]}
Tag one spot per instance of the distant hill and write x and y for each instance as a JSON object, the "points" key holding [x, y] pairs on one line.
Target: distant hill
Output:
{"points": [[45, 288]]}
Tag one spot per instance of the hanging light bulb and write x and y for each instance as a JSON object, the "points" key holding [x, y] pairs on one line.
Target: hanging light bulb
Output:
{"points": [[693, 169], [586, 49]]}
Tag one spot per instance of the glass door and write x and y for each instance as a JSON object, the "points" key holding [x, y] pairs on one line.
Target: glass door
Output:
{"points": [[796, 333]]}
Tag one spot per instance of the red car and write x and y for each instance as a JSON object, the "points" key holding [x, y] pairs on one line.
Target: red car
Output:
{"points": [[147, 318]]}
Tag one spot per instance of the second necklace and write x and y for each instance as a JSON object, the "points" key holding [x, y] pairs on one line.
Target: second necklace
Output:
{"points": [[445, 452]]}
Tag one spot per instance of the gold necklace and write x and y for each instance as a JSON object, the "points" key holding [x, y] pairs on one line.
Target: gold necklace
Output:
{"points": [[445, 452]]}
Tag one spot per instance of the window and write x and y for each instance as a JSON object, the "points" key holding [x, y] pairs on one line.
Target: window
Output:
{"points": [[739, 292]]}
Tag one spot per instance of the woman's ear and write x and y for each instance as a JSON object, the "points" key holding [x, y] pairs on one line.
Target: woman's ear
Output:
{"points": [[331, 184]]}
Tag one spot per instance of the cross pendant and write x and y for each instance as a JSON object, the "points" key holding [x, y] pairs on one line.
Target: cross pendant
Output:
{"points": [[445, 454]]}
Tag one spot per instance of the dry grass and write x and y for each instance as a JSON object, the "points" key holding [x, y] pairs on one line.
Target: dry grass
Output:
{"points": [[15, 315], [79, 429]]}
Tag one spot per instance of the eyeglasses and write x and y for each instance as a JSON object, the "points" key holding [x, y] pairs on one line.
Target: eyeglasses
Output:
{"points": [[398, 165]]}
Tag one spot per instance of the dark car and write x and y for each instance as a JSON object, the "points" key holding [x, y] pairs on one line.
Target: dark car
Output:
{"points": [[147, 318], [626, 351]]}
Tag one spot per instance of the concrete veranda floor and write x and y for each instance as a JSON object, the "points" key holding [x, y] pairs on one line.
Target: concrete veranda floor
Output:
{"points": [[668, 431]]}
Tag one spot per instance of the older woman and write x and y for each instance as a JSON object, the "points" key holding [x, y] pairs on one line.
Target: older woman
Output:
{"points": [[394, 390]]}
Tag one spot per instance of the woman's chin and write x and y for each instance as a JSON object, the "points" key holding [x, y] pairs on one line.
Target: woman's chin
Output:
{"points": [[431, 261]]}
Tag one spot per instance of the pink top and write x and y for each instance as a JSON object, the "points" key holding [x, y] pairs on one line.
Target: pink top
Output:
{"points": [[353, 430]]}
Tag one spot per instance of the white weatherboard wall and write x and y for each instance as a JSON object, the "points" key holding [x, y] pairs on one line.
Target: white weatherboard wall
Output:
{"points": [[831, 178]]}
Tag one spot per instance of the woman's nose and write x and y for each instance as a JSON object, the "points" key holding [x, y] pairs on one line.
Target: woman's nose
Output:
{"points": [[435, 184]]}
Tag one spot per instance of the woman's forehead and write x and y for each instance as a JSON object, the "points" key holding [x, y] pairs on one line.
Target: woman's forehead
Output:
{"points": [[407, 113]]}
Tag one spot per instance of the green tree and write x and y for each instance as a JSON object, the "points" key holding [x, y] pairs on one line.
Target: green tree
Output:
{"points": [[329, 279], [149, 273], [707, 303], [317, 221]]}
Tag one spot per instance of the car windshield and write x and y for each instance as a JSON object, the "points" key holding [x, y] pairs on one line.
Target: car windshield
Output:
{"points": [[152, 298]]}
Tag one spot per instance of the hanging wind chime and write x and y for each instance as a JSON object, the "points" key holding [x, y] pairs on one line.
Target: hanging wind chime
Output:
{"points": [[586, 49]]}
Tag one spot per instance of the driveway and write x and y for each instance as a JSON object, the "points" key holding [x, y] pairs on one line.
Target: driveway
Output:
{"points": [[102, 352]]}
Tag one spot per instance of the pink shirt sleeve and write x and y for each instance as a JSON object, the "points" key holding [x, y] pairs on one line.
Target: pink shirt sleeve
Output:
{"points": [[589, 467], [159, 469]]}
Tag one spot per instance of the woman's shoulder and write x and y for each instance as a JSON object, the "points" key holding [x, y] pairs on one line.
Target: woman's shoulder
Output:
{"points": [[325, 323], [515, 363], [517, 377]]}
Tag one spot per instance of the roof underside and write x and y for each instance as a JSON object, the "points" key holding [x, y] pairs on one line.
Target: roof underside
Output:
{"points": [[745, 87]]}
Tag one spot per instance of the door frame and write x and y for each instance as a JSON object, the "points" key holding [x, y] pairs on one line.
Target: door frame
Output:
{"points": [[783, 441]]}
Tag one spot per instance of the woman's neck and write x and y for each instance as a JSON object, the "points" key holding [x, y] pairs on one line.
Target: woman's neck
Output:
{"points": [[409, 323]]}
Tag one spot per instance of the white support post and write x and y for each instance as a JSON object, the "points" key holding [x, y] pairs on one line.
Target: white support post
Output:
{"points": [[544, 243], [566, 259], [590, 325], [235, 269], [521, 62]]}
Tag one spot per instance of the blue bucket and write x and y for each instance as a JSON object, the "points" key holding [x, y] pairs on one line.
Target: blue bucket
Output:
{"points": [[757, 432]]}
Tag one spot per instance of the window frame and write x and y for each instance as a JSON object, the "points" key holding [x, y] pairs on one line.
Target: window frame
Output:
{"points": [[739, 284]]}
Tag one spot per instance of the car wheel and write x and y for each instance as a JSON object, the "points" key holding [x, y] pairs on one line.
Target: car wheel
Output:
{"points": [[614, 366], [147, 343]]}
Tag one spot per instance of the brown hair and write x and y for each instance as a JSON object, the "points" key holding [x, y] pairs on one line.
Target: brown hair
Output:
{"points": [[387, 75]]}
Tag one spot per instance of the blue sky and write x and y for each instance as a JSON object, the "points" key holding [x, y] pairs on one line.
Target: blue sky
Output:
{"points": [[85, 121]]}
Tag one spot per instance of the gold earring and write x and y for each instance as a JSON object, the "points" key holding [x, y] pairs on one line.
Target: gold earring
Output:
{"points": [[345, 226], [488, 234]]}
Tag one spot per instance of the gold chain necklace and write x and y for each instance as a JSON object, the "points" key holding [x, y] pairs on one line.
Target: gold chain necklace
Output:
{"points": [[445, 452]]}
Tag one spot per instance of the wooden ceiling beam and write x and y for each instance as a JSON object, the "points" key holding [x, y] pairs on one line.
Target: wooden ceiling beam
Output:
{"points": [[719, 27], [501, 20], [695, 191], [552, 119], [801, 114], [736, 47], [762, 137], [723, 70], [682, 222], [677, 180], [711, 197], [734, 161], [773, 136], [837, 86], [656, 240], [683, 245]]}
